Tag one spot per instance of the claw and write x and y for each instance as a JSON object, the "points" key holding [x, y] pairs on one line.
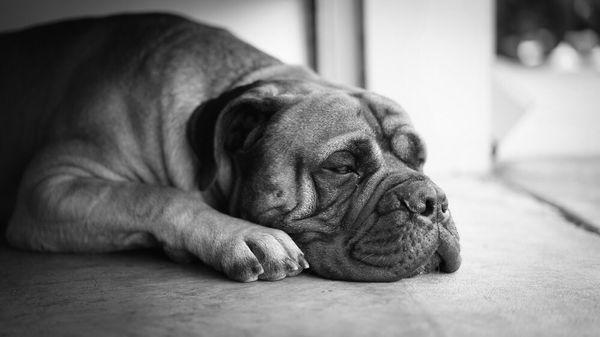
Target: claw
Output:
{"points": [[258, 270], [303, 261], [291, 265]]}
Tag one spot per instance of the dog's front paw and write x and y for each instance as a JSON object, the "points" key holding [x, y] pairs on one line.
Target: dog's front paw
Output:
{"points": [[261, 253]]}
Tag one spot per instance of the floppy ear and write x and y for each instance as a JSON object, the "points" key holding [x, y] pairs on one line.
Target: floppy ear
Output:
{"points": [[234, 121], [397, 129]]}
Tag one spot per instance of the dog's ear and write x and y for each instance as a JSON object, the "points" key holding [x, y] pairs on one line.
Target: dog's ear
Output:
{"points": [[396, 128], [231, 122]]}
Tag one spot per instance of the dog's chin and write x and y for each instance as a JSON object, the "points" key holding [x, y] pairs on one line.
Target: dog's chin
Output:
{"points": [[404, 262], [389, 251]]}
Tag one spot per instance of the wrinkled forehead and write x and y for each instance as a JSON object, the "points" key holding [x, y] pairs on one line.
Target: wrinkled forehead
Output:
{"points": [[327, 114], [321, 123]]}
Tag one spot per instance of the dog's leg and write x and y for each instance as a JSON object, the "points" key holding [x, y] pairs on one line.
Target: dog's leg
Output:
{"points": [[65, 212]]}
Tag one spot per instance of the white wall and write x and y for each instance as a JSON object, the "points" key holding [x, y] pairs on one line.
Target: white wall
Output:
{"points": [[560, 113], [338, 43], [434, 58], [275, 26]]}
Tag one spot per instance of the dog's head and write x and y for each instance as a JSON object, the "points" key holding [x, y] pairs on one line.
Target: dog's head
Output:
{"points": [[339, 170]]}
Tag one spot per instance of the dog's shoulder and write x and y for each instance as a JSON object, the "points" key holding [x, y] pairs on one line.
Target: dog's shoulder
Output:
{"points": [[122, 36], [92, 74], [165, 52]]}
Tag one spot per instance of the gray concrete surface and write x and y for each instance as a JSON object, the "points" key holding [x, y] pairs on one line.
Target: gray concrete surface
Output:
{"points": [[526, 271], [548, 125], [572, 184]]}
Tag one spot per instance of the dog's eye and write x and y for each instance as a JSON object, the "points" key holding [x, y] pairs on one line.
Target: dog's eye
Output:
{"points": [[342, 169], [341, 162]]}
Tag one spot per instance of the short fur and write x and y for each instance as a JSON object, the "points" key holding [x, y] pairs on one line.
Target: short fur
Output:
{"points": [[152, 130]]}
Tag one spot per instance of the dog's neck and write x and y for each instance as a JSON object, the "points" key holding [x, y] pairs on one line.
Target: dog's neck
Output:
{"points": [[216, 197], [278, 71]]}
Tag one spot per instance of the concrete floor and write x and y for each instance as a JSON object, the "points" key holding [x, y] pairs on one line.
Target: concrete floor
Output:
{"points": [[526, 271], [572, 184]]}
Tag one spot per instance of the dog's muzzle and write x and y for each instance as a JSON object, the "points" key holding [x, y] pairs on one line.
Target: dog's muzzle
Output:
{"points": [[408, 231]]}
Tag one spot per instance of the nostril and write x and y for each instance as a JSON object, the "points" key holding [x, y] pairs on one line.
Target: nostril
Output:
{"points": [[429, 207]]}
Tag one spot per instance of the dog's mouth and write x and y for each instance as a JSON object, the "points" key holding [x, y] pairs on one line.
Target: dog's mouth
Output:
{"points": [[388, 239], [406, 245], [395, 247]]}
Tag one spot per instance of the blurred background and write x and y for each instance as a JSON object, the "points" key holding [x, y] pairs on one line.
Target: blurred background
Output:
{"points": [[510, 87]]}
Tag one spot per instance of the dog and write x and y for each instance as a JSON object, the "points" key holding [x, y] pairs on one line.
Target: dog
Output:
{"points": [[151, 130]]}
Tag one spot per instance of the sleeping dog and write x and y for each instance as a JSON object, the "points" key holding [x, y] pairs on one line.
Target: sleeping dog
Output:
{"points": [[155, 131]]}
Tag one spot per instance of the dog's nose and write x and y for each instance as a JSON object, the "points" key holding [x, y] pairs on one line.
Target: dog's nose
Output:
{"points": [[426, 199], [420, 197]]}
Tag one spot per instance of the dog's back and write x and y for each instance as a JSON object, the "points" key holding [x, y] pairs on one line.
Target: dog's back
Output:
{"points": [[35, 68], [39, 66]]}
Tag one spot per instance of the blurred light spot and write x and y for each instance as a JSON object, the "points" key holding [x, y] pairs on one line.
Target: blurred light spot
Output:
{"points": [[595, 58], [530, 53], [565, 58]]}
